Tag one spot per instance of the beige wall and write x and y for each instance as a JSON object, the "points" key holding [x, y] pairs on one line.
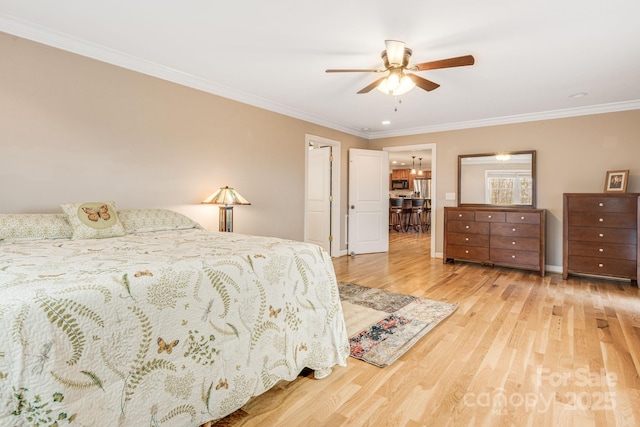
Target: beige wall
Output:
{"points": [[573, 155], [76, 129]]}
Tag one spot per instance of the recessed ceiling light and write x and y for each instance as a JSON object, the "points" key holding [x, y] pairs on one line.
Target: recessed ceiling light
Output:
{"points": [[386, 122], [365, 129], [394, 162], [578, 95]]}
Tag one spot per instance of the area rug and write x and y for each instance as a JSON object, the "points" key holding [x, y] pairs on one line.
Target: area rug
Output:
{"points": [[383, 325]]}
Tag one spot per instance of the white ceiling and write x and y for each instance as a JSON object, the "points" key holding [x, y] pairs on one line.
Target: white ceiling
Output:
{"points": [[530, 56]]}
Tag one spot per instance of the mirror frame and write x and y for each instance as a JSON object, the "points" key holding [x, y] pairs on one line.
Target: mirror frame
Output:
{"points": [[533, 180]]}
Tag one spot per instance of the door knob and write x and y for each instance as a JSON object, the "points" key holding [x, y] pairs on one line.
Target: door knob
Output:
{"points": [[353, 206]]}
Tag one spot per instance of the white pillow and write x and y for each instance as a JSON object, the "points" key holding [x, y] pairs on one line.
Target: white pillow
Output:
{"points": [[93, 220], [14, 227], [147, 220]]}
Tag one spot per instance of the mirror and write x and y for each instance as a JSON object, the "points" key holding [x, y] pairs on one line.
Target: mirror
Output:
{"points": [[506, 179]]}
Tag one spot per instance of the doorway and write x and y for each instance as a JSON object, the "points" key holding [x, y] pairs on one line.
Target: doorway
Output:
{"points": [[322, 193], [432, 149]]}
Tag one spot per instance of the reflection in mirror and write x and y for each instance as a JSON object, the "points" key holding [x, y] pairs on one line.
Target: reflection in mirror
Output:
{"points": [[505, 179]]}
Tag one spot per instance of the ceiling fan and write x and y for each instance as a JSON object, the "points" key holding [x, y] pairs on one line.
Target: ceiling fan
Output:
{"points": [[396, 62]]}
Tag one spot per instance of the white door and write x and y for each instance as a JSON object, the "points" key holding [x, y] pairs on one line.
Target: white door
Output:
{"points": [[368, 201], [319, 197]]}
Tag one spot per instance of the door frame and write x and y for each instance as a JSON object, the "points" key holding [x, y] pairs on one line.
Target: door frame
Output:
{"points": [[336, 205], [434, 193]]}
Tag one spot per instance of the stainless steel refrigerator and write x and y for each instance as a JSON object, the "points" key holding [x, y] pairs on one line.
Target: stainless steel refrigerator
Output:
{"points": [[422, 188]]}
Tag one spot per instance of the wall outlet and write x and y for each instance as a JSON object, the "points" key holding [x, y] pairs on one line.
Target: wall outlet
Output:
{"points": [[449, 196]]}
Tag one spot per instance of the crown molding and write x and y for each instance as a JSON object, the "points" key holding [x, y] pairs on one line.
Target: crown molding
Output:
{"points": [[16, 27], [520, 118], [101, 53]]}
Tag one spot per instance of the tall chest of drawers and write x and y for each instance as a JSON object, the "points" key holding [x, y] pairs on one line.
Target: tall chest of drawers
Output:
{"points": [[600, 234], [506, 237]]}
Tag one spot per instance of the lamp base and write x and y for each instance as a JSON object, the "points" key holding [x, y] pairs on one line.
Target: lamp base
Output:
{"points": [[226, 218]]}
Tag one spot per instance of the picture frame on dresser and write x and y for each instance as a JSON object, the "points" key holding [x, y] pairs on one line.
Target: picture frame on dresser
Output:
{"points": [[616, 181]]}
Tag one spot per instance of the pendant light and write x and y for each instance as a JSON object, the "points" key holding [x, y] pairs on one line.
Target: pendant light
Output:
{"points": [[420, 170], [413, 167]]}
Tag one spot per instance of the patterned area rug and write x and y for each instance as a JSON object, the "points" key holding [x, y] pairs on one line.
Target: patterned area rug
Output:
{"points": [[383, 325]]}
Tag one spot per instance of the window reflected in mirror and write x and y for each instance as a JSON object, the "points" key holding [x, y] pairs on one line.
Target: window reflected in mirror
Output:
{"points": [[497, 179]]}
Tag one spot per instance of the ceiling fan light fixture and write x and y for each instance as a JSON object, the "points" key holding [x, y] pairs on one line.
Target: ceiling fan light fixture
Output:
{"points": [[396, 84]]}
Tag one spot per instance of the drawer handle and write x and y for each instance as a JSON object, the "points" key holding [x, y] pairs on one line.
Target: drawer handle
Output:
{"points": [[513, 256], [466, 239], [601, 235], [601, 204], [601, 250], [600, 265], [466, 251], [489, 216], [466, 226], [522, 217], [459, 215], [601, 219], [513, 229], [513, 243]]}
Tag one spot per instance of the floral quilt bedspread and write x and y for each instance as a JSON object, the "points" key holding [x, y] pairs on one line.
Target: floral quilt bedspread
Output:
{"points": [[171, 328]]}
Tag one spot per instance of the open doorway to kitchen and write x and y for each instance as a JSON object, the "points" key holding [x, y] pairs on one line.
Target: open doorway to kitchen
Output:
{"points": [[420, 156], [322, 193]]}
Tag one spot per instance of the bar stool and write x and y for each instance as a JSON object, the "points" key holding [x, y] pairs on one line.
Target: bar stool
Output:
{"points": [[395, 214], [417, 206], [426, 216], [406, 213]]}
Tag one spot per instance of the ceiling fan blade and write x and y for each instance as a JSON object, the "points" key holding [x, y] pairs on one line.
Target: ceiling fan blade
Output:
{"points": [[353, 71], [395, 52], [444, 63], [368, 89], [425, 84]]}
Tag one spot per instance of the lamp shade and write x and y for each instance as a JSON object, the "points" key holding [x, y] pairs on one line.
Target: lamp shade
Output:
{"points": [[226, 196], [396, 84]]}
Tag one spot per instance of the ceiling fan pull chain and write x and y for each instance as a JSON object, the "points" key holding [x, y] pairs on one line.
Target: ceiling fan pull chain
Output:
{"points": [[399, 102]]}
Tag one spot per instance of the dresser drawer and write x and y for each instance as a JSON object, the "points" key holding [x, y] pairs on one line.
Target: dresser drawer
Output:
{"points": [[519, 230], [604, 219], [622, 236], [485, 216], [461, 215], [602, 266], [602, 250], [467, 239], [495, 236], [506, 256], [523, 217], [602, 204], [515, 243], [467, 252], [468, 227]]}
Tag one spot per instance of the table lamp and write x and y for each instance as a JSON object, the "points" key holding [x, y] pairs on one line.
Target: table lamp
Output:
{"points": [[226, 197]]}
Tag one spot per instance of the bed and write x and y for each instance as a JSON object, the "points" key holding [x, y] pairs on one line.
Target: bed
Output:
{"points": [[157, 323]]}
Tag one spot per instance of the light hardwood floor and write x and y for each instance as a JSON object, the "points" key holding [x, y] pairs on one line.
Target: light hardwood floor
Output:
{"points": [[521, 350]]}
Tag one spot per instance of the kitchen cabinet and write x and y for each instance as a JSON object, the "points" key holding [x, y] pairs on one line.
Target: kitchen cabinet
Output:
{"points": [[505, 237], [600, 234], [401, 174]]}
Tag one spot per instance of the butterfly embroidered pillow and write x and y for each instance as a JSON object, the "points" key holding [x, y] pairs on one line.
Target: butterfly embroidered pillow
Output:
{"points": [[94, 220]]}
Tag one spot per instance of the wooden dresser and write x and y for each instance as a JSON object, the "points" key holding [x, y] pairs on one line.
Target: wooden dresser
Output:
{"points": [[505, 237], [600, 234]]}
